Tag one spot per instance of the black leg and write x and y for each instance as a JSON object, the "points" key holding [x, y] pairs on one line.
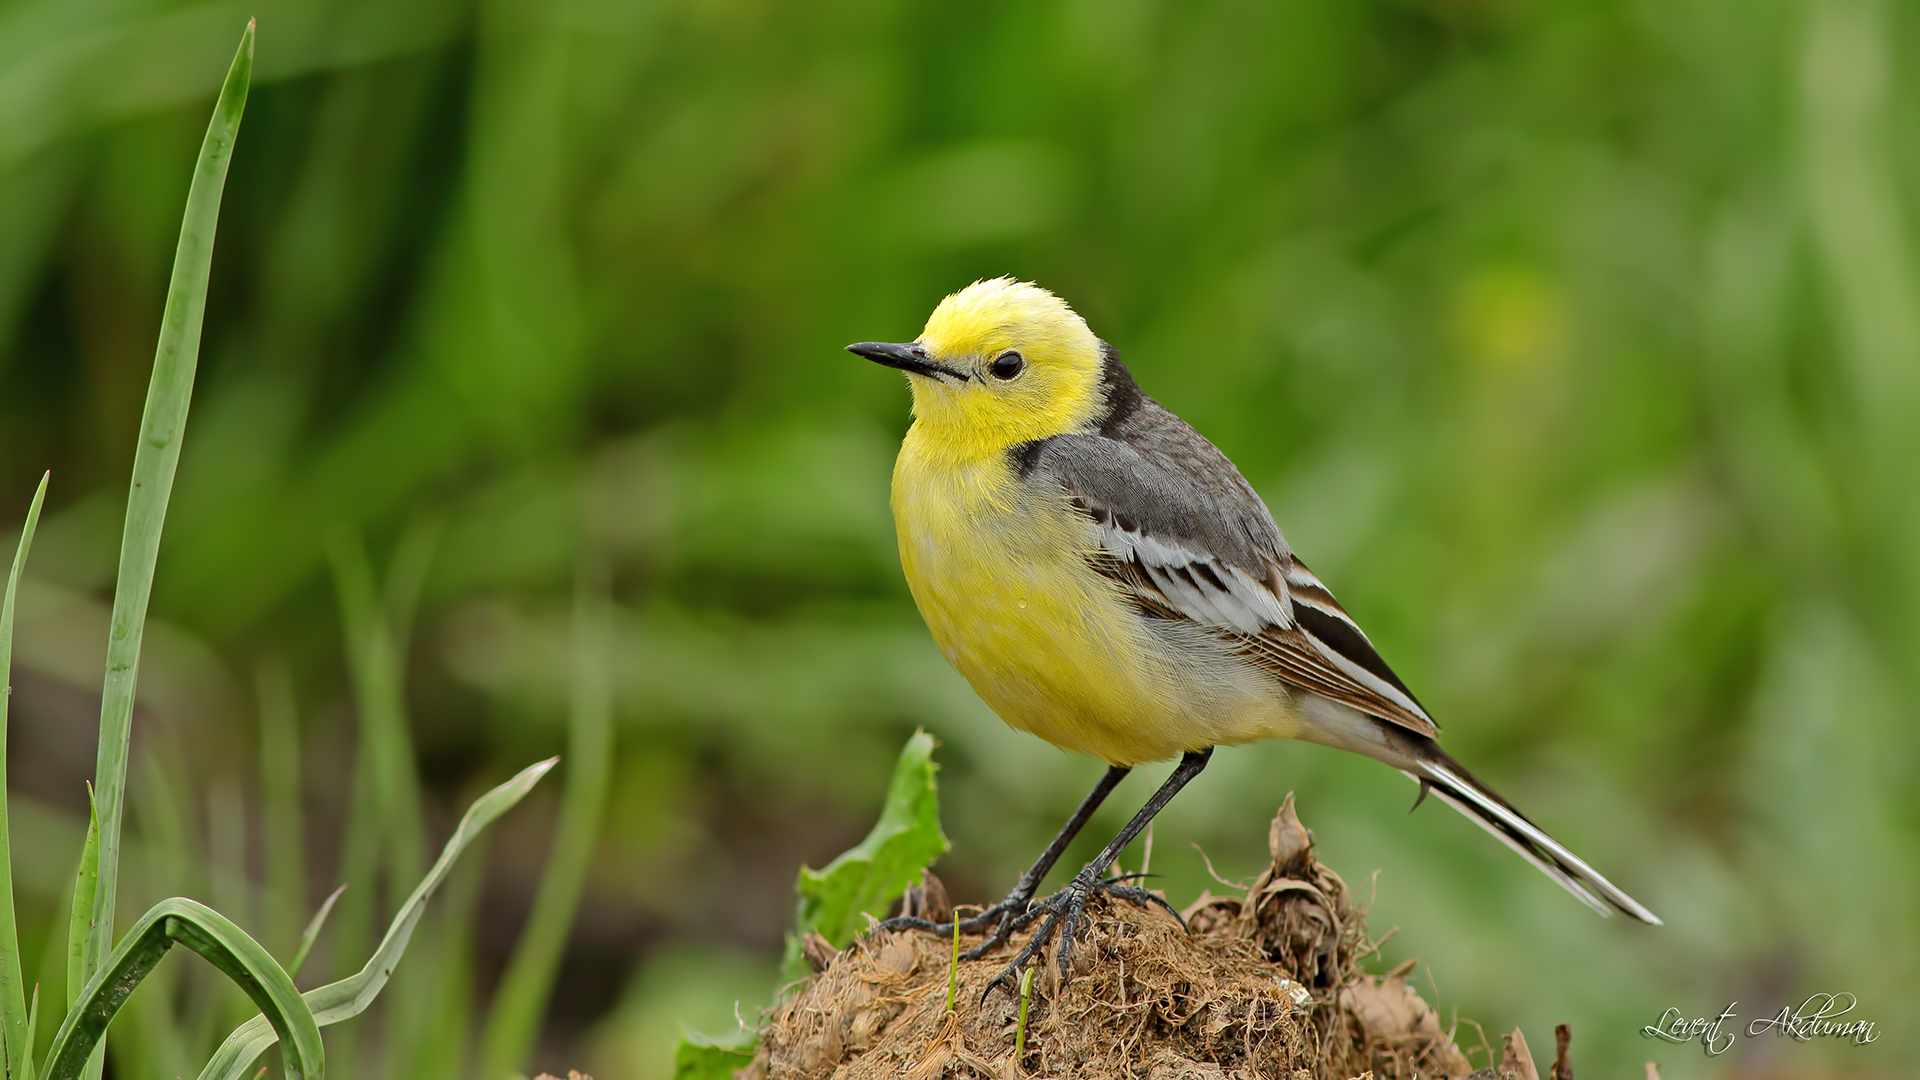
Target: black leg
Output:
{"points": [[1005, 915], [1063, 910], [1030, 881]]}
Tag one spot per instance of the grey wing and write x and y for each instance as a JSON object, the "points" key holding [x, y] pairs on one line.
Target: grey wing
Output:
{"points": [[1197, 544]]}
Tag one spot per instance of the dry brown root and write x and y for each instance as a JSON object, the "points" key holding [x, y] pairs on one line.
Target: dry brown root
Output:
{"points": [[1267, 986]]}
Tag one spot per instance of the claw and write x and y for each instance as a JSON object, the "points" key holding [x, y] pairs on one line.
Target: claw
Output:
{"points": [[1063, 909], [1006, 918], [1063, 912], [1143, 898], [909, 922], [1009, 977]]}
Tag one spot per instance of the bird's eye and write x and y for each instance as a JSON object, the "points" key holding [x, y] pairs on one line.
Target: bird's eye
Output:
{"points": [[1007, 365]]}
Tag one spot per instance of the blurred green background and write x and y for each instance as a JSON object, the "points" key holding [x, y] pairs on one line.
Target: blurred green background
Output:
{"points": [[1576, 345]]}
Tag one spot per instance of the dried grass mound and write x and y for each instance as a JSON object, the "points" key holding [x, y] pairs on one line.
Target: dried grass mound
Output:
{"points": [[1266, 985]]}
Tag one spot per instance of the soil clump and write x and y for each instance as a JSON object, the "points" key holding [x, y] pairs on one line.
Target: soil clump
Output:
{"points": [[1263, 986]]}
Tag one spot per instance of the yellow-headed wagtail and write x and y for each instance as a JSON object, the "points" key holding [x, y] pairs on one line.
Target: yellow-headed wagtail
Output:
{"points": [[1107, 580]]}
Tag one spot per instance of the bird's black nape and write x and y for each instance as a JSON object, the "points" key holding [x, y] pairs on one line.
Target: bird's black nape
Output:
{"points": [[1123, 394]]}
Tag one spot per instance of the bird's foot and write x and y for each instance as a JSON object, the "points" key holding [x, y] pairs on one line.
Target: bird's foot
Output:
{"points": [[1062, 913], [1003, 918]]}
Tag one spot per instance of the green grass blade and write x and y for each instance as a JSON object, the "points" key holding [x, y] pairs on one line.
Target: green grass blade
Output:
{"points": [[312, 932], [161, 427], [225, 860], [440, 1050], [521, 1001], [286, 853], [353, 915], [388, 827], [86, 884], [226, 947], [14, 1025], [153, 1038], [374, 663], [359, 863], [33, 1032], [79, 923], [407, 576], [350, 997]]}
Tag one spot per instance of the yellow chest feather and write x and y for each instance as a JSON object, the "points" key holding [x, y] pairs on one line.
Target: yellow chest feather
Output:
{"points": [[999, 570]]}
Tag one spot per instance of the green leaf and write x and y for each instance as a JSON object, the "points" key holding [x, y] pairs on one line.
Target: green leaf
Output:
{"points": [[385, 824], [85, 882], [521, 1001], [350, 997], [870, 876], [374, 661], [353, 914], [312, 932], [227, 947], [701, 1058], [14, 1033], [285, 846], [33, 1032], [156, 457]]}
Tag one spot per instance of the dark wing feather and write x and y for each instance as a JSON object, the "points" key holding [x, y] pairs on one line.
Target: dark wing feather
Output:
{"points": [[1187, 538]]}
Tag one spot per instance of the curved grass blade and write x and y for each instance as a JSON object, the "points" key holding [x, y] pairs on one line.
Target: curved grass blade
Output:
{"points": [[158, 455], [312, 932], [227, 947], [374, 662], [84, 884], [350, 997], [386, 827], [14, 1033], [521, 1001]]}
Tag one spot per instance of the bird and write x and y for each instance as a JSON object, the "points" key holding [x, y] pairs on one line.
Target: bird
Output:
{"points": [[1105, 579]]}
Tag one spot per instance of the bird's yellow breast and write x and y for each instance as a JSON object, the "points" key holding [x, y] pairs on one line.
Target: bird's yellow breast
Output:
{"points": [[1000, 571]]}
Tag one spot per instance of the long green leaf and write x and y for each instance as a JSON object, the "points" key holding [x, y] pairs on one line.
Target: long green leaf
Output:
{"points": [[386, 817], [228, 948], [155, 1039], [80, 921], [353, 916], [14, 1032], [280, 797], [33, 1032], [312, 932], [374, 662], [162, 426], [521, 1001], [350, 997], [439, 1049]]}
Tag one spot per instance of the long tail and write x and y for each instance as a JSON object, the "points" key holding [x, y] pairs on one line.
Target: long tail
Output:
{"points": [[1438, 773], [1337, 724]]}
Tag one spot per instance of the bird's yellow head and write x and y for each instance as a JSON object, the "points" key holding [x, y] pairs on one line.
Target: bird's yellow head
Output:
{"points": [[1000, 363]]}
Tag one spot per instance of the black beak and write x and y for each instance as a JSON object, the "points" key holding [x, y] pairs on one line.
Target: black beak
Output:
{"points": [[911, 358]]}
